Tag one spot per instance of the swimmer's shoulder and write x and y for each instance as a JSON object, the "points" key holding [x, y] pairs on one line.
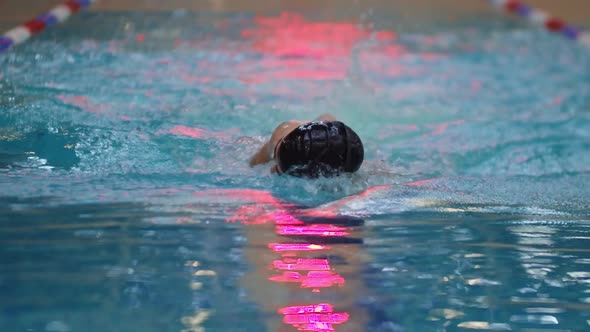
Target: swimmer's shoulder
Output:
{"points": [[290, 124], [283, 129]]}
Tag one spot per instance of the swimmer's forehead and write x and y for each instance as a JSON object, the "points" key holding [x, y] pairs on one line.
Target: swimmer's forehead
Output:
{"points": [[334, 129], [309, 125]]}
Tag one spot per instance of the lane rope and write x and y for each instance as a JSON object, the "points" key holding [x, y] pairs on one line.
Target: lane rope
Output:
{"points": [[62, 12], [59, 14], [543, 19]]}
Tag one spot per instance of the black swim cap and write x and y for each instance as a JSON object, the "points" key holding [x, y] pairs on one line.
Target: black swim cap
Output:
{"points": [[320, 148]]}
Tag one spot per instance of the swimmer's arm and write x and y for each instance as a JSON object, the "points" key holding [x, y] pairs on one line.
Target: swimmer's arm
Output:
{"points": [[262, 156]]}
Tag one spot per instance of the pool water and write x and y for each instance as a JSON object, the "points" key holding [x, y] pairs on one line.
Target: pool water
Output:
{"points": [[126, 201]]}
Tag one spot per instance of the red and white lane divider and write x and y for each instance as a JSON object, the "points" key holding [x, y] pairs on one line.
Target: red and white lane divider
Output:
{"points": [[543, 19], [57, 15], [62, 12]]}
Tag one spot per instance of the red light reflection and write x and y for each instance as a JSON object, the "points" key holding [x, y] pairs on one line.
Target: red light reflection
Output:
{"points": [[301, 50], [311, 230], [295, 266], [278, 247], [316, 317], [292, 35], [313, 279], [200, 133], [83, 103], [301, 264]]}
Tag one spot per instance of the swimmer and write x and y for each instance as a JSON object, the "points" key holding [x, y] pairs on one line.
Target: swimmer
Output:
{"points": [[323, 147]]}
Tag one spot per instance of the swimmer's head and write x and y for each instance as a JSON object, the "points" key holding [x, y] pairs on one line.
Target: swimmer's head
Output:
{"points": [[320, 148]]}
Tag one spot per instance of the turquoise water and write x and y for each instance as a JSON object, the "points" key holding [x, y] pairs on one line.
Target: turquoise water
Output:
{"points": [[126, 202]]}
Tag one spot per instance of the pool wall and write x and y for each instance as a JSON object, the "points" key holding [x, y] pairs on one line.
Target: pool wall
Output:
{"points": [[13, 12]]}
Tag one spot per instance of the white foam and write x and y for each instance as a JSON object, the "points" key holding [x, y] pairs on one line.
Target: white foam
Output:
{"points": [[380, 200]]}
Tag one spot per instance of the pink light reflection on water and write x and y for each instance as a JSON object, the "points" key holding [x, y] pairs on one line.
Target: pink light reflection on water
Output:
{"points": [[259, 206], [302, 264], [316, 317], [279, 247], [245, 195], [313, 279], [421, 183], [314, 55], [200, 133], [292, 35], [256, 214], [189, 132], [303, 50], [283, 217], [317, 230], [441, 128], [314, 308], [332, 210], [83, 103], [262, 207]]}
